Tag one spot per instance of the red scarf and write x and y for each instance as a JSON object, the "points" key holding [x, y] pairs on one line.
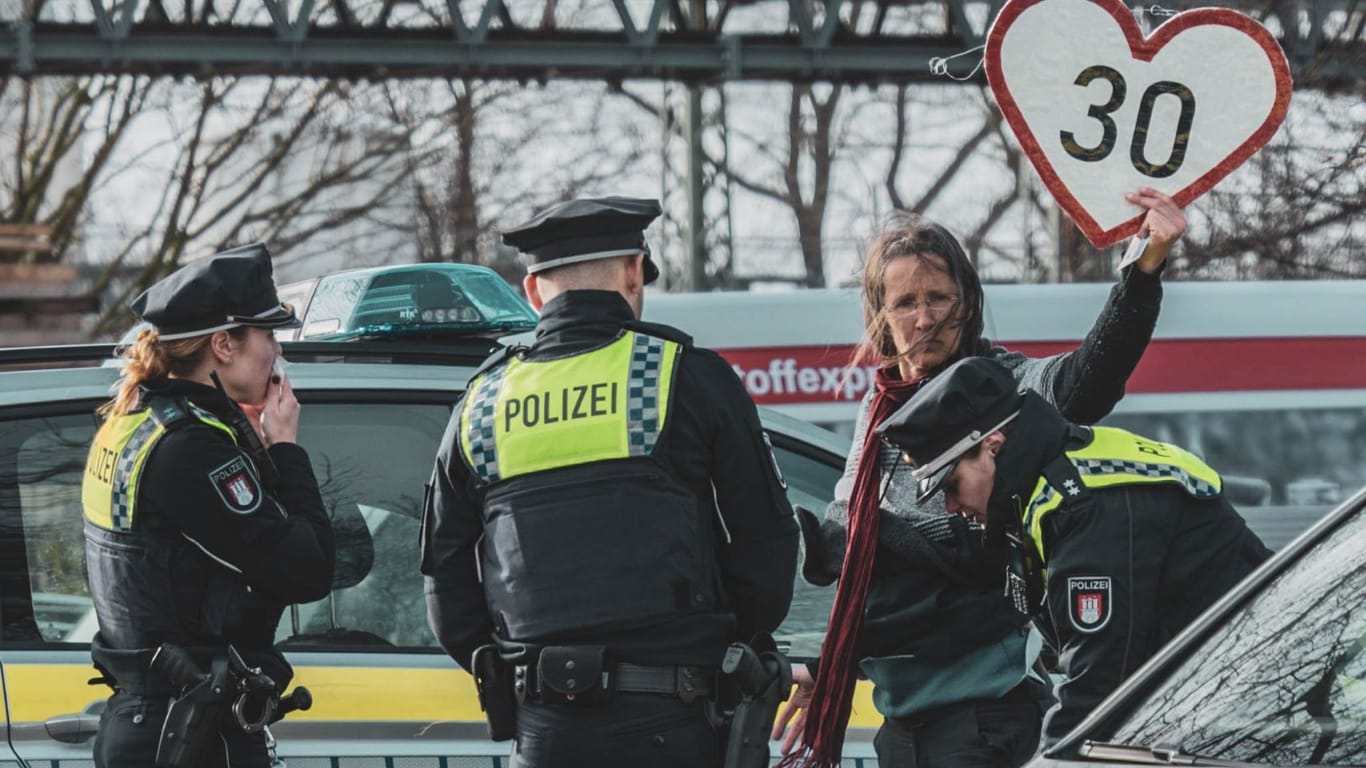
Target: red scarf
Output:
{"points": [[832, 699]]}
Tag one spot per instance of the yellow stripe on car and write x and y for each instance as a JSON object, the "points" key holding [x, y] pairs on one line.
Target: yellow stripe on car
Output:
{"points": [[339, 693]]}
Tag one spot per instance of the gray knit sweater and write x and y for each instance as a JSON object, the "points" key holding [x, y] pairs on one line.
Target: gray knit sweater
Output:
{"points": [[1084, 384]]}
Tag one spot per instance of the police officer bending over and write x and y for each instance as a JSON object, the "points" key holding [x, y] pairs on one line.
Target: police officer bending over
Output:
{"points": [[1135, 535], [198, 528], [632, 520]]}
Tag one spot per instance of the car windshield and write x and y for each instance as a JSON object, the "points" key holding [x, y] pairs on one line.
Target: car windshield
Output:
{"points": [[1283, 682]]}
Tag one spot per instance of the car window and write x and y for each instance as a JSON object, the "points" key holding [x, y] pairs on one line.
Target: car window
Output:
{"points": [[810, 479], [332, 302], [1282, 468], [1283, 681], [43, 571], [372, 459]]}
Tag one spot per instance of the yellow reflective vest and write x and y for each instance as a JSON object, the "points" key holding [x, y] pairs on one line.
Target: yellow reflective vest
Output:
{"points": [[109, 489], [1115, 457], [532, 416]]}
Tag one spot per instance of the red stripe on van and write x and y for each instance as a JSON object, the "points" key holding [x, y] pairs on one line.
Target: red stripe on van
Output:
{"points": [[809, 374], [1242, 365]]}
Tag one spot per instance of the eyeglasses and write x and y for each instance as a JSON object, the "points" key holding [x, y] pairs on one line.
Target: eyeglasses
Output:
{"points": [[937, 305]]}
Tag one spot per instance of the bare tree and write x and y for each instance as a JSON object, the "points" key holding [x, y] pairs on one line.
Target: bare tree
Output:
{"points": [[1297, 209], [991, 124], [810, 145], [283, 161], [49, 179], [988, 141], [446, 194], [488, 155], [164, 170]]}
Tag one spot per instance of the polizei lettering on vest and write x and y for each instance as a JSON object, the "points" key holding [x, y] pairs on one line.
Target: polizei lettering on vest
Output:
{"points": [[101, 464], [551, 407]]}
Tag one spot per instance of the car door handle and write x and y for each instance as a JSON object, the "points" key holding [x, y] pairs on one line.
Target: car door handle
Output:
{"points": [[72, 729]]}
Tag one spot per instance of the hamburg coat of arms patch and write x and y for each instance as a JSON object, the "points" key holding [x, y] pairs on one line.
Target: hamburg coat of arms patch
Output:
{"points": [[1088, 602], [237, 486]]}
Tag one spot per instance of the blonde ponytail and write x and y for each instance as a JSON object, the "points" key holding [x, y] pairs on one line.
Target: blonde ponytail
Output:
{"points": [[150, 358]]}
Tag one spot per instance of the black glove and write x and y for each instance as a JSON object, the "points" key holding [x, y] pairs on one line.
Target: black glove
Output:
{"points": [[824, 542]]}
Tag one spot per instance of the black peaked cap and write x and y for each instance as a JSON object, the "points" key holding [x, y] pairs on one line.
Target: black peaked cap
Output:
{"points": [[949, 415], [232, 288], [586, 229]]}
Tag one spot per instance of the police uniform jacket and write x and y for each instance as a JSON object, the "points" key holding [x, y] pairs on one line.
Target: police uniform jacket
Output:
{"points": [[184, 544], [711, 450], [1134, 539]]}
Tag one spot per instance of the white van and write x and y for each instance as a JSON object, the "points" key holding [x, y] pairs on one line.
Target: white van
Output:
{"points": [[1265, 380]]}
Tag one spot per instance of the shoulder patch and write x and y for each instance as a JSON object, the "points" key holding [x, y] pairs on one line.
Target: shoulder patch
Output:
{"points": [[168, 411], [237, 486], [1088, 602], [660, 331], [497, 358]]}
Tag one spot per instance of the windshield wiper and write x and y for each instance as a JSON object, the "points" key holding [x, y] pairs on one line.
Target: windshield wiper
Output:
{"points": [[1154, 754]]}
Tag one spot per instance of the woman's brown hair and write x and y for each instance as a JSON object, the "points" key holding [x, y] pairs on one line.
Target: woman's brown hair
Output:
{"points": [[149, 357], [910, 235]]}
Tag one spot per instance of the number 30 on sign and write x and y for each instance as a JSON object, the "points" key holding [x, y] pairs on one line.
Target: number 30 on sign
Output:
{"points": [[1101, 110]]}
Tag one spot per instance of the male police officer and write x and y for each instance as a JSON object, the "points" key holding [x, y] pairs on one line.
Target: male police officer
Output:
{"points": [[1135, 535], [632, 520]]}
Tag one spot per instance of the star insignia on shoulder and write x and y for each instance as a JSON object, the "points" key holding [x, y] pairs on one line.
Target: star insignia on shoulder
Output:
{"points": [[1071, 487]]}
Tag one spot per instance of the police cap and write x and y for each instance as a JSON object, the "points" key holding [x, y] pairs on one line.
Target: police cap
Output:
{"points": [[955, 411], [232, 288], [586, 229]]}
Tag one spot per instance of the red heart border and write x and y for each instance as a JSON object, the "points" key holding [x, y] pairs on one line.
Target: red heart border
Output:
{"points": [[1143, 49]]}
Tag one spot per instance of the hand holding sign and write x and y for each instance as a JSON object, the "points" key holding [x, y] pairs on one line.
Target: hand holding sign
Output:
{"points": [[1101, 111], [1162, 226]]}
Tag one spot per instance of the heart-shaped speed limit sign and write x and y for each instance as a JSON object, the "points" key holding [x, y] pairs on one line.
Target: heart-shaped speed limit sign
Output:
{"points": [[1101, 110]]}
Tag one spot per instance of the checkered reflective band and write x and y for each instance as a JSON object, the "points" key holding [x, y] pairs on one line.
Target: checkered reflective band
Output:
{"points": [[1041, 499], [642, 394], [1094, 467], [121, 500], [210, 419], [483, 423]]}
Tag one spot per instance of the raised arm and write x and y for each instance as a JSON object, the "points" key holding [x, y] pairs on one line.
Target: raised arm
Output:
{"points": [[1086, 383]]}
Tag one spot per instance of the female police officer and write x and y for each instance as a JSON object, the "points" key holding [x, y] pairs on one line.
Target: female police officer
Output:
{"points": [[194, 540], [1124, 539]]}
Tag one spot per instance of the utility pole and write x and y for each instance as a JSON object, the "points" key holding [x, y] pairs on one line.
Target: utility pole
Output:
{"points": [[696, 237], [696, 141], [697, 226]]}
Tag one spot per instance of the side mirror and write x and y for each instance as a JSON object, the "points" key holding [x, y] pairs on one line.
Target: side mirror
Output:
{"points": [[72, 729]]}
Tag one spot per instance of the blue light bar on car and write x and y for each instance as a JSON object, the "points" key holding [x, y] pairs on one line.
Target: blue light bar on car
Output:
{"points": [[414, 300]]}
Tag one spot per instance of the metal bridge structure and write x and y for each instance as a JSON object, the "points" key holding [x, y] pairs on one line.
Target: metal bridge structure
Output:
{"points": [[702, 45], [689, 41]]}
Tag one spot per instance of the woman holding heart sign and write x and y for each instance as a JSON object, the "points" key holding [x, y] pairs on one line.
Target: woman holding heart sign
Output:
{"points": [[950, 656]]}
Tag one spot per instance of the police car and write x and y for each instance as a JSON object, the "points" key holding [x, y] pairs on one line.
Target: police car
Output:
{"points": [[382, 356], [380, 359]]}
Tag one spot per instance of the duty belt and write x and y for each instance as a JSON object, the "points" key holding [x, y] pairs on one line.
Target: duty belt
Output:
{"points": [[685, 682], [129, 670]]}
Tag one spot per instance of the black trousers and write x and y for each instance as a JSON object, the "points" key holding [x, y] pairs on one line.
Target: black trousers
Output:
{"points": [[993, 733], [633, 729], [131, 727]]}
